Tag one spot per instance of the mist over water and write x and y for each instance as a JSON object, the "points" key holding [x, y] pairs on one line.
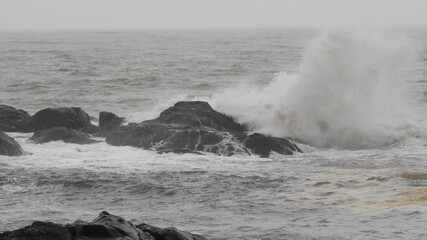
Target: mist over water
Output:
{"points": [[348, 92]]}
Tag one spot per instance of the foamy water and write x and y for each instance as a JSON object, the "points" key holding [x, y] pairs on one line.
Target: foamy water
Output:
{"points": [[328, 192], [349, 92]]}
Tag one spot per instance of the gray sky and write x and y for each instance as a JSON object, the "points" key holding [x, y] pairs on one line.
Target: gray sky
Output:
{"points": [[139, 14]]}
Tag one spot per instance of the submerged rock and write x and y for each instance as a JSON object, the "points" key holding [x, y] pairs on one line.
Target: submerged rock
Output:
{"points": [[61, 134], [8, 146], [192, 127], [105, 227], [14, 120], [69, 117]]}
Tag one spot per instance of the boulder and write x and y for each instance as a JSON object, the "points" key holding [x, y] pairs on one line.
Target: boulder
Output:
{"points": [[69, 117], [263, 145], [187, 127], [105, 227], [199, 114], [118, 223], [9, 147], [168, 233], [192, 127], [144, 135], [61, 134], [38, 231], [157, 136], [14, 120], [108, 122]]}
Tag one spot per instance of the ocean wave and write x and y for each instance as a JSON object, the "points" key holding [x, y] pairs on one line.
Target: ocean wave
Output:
{"points": [[349, 93]]}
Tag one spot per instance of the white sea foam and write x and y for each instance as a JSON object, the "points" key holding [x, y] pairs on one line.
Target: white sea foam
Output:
{"points": [[349, 92]]}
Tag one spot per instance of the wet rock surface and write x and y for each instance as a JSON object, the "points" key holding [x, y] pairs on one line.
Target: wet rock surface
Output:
{"points": [[105, 227], [8, 146], [109, 122], [198, 114], [69, 117], [190, 127], [187, 127], [61, 134], [14, 120], [263, 145]]}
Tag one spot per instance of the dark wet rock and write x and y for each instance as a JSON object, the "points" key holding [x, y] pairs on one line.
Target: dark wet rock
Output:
{"points": [[8, 146], [69, 117], [168, 233], [163, 138], [105, 227], [263, 145], [187, 127], [194, 127], [199, 114], [108, 122], [118, 223], [61, 134], [144, 135], [38, 231], [14, 120], [192, 139]]}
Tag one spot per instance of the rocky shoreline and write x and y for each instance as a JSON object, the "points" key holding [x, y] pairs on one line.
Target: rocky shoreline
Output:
{"points": [[187, 127], [105, 227]]}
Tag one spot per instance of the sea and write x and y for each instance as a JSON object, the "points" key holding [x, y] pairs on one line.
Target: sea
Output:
{"points": [[353, 98]]}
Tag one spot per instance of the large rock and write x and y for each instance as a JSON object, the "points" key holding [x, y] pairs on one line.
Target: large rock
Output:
{"points": [[152, 135], [191, 127], [9, 147], [199, 114], [109, 122], [38, 231], [69, 117], [105, 227], [168, 233], [14, 120], [263, 145], [187, 127], [61, 134]]}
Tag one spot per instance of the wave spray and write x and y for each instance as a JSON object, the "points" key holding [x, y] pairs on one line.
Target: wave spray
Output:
{"points": [[348, 93]]}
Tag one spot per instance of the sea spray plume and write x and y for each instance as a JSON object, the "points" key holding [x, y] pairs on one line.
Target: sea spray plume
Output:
{"points": [[348, 93]]}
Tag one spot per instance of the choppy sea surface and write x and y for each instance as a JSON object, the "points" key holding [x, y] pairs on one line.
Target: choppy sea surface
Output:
{"points": [[354, 98]]}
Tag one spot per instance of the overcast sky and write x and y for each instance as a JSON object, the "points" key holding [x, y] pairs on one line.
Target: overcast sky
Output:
{"points": [[141, 14]]}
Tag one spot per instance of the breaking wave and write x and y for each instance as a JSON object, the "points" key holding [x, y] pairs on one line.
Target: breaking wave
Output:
{"points": [[349, 92]]}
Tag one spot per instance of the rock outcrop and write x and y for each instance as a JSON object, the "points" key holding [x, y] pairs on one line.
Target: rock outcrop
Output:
{"points": [[61, 134], [8, 146], [69, 117], [198, 114], [109, 122], [105, 227], [196, 127], [186, 127], [263, 145], [14, 120]]}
